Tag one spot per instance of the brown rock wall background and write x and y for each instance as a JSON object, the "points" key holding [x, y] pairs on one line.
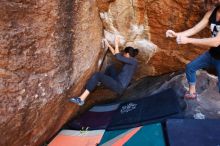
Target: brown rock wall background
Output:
{"points": [[48, 50], [45, 51]]}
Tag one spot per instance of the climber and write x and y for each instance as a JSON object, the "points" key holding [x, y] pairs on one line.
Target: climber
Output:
{"points": [[209, 58], [110, 79]]}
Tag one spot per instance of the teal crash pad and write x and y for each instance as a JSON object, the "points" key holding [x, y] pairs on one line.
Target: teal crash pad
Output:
{"points": [[148, 135]]}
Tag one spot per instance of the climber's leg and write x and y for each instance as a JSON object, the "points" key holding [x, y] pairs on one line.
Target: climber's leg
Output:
{"points": [[111, 71], [107, 81], [89, 88], [203, 61]]}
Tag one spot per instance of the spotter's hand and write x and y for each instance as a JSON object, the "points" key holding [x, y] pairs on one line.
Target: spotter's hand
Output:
{"points": [[182, 40], [171, 34]]}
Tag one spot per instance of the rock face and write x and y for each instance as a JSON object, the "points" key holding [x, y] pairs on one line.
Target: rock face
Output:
{"points": [[177, 15], [129, 19], [207, 105], [49, 49], [143, 23]]}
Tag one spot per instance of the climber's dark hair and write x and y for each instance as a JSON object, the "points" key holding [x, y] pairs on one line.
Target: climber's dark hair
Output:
{"points": [[132, 52], [213, 15]]}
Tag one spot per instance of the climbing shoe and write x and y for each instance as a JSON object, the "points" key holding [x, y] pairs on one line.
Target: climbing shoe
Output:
{"points": [[76, 100]]}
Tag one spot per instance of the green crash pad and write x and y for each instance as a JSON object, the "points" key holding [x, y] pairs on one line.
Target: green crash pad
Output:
{"points": [[148, 135]]}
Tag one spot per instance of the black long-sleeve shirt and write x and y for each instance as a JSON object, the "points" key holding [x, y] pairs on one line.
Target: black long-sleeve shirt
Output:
{"points": [[128, 69]]}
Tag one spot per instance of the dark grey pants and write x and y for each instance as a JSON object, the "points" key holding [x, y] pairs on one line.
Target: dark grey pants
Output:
{"points": [[108, 79]]}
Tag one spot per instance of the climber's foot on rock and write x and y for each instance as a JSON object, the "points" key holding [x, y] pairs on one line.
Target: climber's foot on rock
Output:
{"points": [[77, 100]]}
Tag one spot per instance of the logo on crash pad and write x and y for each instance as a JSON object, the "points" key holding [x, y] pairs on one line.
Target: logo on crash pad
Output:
{"points": [[127, 108]]}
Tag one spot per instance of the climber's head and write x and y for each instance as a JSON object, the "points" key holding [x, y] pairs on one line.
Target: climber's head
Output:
{"points": [[130, 52]]}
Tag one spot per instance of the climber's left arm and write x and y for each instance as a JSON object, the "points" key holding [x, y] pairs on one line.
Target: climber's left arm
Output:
{"points": [[110, 47], [209, 42], [117, 41]]}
